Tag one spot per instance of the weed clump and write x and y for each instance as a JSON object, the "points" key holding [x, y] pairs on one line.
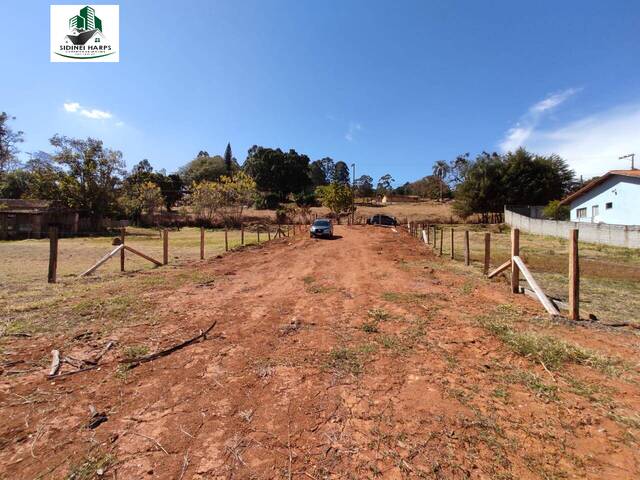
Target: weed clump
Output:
{"points": [[546, 349]]}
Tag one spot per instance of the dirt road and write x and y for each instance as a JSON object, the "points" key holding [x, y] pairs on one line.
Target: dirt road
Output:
{"points": [[358, 357]]}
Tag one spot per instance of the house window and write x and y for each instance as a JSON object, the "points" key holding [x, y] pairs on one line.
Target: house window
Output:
{"points": [[97, 40], [595, 210], [581, 212], [608, 205]]}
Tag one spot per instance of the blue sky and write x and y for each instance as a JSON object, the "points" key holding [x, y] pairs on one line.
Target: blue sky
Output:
{"points": [[392, 86]]}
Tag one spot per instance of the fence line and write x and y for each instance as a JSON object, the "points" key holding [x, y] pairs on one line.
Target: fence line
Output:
{"points": [[164, 236], [515, 263]]}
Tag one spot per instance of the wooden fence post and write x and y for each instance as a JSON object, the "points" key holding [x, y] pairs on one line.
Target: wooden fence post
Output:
{"points": [[435, 229], [226, 238], [515, 251], [268, 233], [165, 246], [201, 243], [467, 256], [428, 229], [122, 235], [258, 232], [487, 252], [574, 276], [441, 239], [452, 255], [241, 232], [53, 254]]}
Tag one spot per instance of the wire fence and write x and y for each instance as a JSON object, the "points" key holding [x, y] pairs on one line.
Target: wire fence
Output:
{"points": [[609, 286]]}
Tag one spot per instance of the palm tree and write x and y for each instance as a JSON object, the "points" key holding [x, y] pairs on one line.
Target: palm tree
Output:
{"points": [[441, 170]]}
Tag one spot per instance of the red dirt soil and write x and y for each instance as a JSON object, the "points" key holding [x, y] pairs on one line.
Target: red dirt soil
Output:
{"points": [[289, 385]]}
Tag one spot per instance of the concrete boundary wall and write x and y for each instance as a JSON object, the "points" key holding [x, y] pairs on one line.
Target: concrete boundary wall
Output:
{"points": [[616, 235]]}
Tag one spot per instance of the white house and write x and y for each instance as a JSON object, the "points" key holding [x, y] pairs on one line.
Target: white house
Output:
{"points": [[613, 198]]}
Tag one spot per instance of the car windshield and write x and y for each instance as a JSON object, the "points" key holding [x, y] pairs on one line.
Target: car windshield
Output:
{"points": [[321, 223]]}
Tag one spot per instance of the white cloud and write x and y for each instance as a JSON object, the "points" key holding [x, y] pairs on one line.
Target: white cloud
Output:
{"points": [[552, 101], [71, 107], [592, 145], [354, 127], [94, 113], [520, 133]]}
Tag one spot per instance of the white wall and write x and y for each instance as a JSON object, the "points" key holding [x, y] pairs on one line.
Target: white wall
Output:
{"points": [[617, 235], [624, 195]]}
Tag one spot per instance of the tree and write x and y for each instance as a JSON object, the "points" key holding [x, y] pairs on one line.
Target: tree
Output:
{"points": [[482, 190], [278, 172], [441, 169], [458, 169], [322, 171], [555, 211], [228, 159], [92, 174], [171, 186], [8, 143], [341, 173], [14, 184], [385, 184], [45, 179], [364, 186], [516, 178], [337, 197], [429, 187], [203, 168], [140, 198], [225, 198]]}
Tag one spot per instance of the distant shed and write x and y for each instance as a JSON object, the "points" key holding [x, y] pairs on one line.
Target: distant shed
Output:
{"points": [[31, 219]]}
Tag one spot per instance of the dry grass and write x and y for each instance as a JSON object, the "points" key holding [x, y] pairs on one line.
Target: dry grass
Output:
{"points": [[610, 276], [548, 350], [30, 305]]}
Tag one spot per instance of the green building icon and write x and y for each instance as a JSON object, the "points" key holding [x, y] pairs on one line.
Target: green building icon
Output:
{"points": [[86, 20]]}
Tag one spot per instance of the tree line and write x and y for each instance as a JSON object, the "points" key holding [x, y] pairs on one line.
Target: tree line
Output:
{"points": [[85, 175]]}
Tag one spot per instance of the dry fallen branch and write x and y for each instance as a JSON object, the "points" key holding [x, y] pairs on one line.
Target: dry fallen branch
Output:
{"points": [[55, 362], [163, 353], [68, 374], [96, 359]]}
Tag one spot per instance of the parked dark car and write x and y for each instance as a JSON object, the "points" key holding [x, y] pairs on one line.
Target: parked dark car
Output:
{"points": [[322, 227], [382, 220]]}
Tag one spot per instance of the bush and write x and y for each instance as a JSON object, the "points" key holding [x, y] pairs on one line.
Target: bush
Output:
{"points": [[266, 201], [555, 211], [306, 199]]}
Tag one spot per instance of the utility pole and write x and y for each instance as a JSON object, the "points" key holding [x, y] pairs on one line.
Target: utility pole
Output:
{"points": [[632, 156]]}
